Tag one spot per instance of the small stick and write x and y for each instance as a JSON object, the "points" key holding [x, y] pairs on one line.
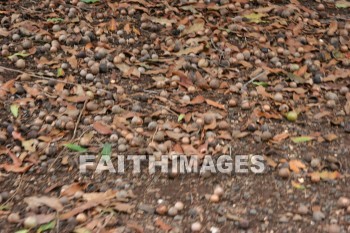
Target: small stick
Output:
{"points": [[47, 78], [37, 76], [78, 120]]}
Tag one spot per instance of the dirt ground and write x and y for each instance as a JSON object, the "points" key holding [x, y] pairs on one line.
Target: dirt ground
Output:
{"points": [[151, 77]]}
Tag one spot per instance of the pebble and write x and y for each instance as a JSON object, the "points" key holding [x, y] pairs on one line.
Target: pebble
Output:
{"points": [[266, 135], [218, 191], [278, 97], [331, 96], [196, 227], [81, 218], [13, 218], [146, 208], [20, 64], [315, 162], [283, 219], [161, 209], [284, 172], [344, 90], [343, 202], [179, 205], [214, 198], [30, 222], [302, 209], [172, 211], [333, 228], [159, 136], [91, 106], [318, 216], [243, 223]]}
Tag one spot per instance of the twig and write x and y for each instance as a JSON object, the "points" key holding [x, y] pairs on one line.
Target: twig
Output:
{"points": [[37, 76], [78, 120], [253, 79], [49, 79], [13, 195]]}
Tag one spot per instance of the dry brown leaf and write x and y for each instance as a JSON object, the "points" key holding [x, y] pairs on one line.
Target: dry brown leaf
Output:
{"points": [[109, 194], [127, 28], [280, 137], [81, 208], [162, 225], [295, 165], [330, 137], [197, 25], [189, 50], [102, 128], [73, 62], [215, 104], [76, 98], [73, 188], [347, 107], [15, 168], [51, 202], [128, 70], [333, 26], [261, 91], [4, 32], [4, 88], [112, 25], [324, 175], [123, 207], [199, 99]]}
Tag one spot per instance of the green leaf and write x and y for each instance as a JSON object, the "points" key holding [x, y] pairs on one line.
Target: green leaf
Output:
{"points": [[302, 139], [75, 147], [4, 207], [298, 186], [14, 110], [90, 1], [264, 84], [337, 54], [22, 231], [55, 20], [46, 227], [255, 17], [107, 149], [19, 54], [342, 4], [181, 117], [60, 72]]}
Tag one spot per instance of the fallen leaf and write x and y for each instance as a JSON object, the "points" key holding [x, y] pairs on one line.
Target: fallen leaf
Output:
{"points": [[73, 62], [297, 185], [75, 147], [102, 128], [197, 25], [29, 145], [14, 110], [189, 50], [73, 188], [255, 17], [295, 165], [51, 202], [302, 139], [330, 137], [215, 104], [128, 70], [123, 207], [162, 225], [325, 175], [81, 208]]}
